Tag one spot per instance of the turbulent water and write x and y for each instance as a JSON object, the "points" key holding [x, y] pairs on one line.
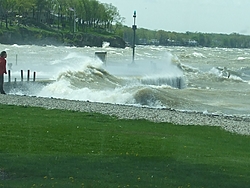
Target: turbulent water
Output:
{"points": [[209, 80]]}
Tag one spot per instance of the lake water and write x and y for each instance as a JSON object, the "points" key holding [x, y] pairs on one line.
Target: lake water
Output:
{"points": [[209, 80]]}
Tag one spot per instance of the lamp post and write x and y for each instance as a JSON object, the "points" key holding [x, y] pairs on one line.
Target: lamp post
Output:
{"points": [[134, 27]]}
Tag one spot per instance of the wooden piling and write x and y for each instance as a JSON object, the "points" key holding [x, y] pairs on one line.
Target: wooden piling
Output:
{"points": [[21, 75], [9, 78], [34, 77], [28, 76]]}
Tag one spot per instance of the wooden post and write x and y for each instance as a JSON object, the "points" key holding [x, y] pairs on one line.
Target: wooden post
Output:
{"points": [[9, 76], [34, 77], [21, 75], [28, 76]]}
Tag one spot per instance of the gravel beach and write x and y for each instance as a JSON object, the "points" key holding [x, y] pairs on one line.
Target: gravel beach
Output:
{"points": [[235, 124]]}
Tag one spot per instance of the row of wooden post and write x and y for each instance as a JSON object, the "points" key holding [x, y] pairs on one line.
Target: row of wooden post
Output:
{"points": [[28, 76]]}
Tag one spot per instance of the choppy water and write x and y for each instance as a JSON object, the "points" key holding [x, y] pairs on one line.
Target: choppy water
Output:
{"points": [[211, 80]]}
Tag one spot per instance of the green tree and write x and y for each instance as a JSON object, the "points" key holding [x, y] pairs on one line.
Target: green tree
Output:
{"points": [[111, 15], [6, 7], [24, 6]]}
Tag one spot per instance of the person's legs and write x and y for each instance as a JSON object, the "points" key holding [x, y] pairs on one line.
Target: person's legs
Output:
{"points": [[1, 84]]}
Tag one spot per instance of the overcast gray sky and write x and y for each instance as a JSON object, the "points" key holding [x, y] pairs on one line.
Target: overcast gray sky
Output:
{"points": [[206, 16]]}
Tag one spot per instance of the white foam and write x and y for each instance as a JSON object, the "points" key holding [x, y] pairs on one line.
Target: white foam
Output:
{"points": [[63, 89]]}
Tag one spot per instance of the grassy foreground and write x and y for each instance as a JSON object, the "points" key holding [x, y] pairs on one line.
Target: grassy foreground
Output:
{"points": [[55, 148]]}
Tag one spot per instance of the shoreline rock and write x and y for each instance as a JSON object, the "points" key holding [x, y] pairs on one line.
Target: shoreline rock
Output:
{"points": [[234, 124]]}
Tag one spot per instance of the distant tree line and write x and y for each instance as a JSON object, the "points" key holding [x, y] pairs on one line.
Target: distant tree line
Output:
{"points": [[74, 15], [91, 15], [168, 38]]}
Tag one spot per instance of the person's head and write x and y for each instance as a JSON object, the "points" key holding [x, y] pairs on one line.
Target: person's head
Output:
{"points": [[3, 54]]}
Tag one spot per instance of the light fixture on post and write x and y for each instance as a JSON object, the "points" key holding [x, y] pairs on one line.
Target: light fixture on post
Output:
{"points": [[134, 27]]}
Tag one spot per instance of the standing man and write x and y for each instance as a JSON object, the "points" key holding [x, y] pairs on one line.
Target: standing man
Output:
{"points": [[2, 70]]}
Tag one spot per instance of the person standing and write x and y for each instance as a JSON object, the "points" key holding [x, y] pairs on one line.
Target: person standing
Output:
{"points": [[2, 70]]}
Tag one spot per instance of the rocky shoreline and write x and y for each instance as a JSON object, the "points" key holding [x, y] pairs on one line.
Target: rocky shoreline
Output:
{"points": [[26, 36], [234, 124]]}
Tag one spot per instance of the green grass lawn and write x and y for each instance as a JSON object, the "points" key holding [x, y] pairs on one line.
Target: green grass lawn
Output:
{"points": [[55, 148]]}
